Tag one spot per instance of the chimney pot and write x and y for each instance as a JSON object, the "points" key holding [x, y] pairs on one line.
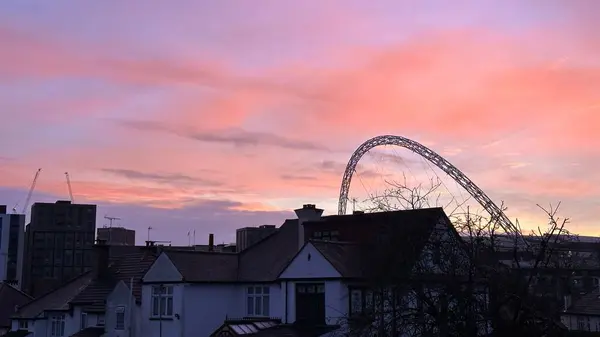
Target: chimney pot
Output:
{"points": [[308, 212]]}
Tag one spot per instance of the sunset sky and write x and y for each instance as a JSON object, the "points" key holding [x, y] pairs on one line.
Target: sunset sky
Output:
{"points": [[218, 114]]}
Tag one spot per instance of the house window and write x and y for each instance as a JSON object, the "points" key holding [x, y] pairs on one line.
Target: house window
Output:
{"points": [[257, 301], [83, 321], [57, 328], [327, 235], [583, 323], [361, 301], [120, 318], [23, 325], [162, 301]]}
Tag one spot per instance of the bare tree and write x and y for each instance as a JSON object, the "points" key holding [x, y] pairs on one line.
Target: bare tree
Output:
{"points": [[474, 281]]}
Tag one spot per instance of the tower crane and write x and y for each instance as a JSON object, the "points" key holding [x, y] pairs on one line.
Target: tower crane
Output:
{"points": [[30, 193], [111, 219], [69, 186]]}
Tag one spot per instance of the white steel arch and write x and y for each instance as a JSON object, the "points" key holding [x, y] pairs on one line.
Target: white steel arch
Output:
{"points": [[466, 183]]}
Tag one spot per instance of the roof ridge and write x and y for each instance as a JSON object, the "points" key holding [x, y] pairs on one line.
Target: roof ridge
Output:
{"points": [[349, 243], [382, 213], [36, 299], [200, 252], [16, 289], [286, 223]]}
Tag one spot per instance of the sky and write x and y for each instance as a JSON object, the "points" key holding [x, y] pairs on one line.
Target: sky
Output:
{"points": [[212, 115]]}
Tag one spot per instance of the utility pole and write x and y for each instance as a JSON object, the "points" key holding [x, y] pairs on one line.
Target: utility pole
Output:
{"points": [[160, 306]]}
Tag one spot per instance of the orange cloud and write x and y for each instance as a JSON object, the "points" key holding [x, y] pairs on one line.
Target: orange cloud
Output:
{"points": [[263, 137]]}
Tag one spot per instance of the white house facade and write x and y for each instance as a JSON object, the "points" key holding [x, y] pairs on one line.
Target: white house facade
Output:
{"points": [[305, 275], [320, 284]]}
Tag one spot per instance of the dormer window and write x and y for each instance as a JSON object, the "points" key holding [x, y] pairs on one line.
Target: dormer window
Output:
{"points": [[327, 235]]}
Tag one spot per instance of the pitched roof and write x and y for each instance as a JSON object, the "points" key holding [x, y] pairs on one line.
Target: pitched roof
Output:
{"points": [[346, 257], [125, 262], [57, 299], [397, 237], [264, 261], [588, 304], [201, 266], [10, 298], [129, 266]]}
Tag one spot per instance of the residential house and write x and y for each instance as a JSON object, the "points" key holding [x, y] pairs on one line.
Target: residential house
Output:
{"points": [[312, 272], [104, 301], [583, 314], [10, 300]]}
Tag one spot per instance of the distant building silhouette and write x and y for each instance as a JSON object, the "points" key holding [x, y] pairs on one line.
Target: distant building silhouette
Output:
{"points": [[117, 236], [248, 236], [59, 242], [12, 247]]}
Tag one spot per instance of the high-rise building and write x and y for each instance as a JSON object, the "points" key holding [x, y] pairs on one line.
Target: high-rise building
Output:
{"points": [[59, 242], [117, 236], [248, 236], [12, 236]]}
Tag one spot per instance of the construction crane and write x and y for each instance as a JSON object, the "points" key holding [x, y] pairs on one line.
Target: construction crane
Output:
{"points": [[69, 185], [30, 193], [111, 219]]}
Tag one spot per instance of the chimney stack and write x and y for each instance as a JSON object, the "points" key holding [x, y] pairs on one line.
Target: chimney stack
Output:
{"points": [[308, 212], [102, 254], [211, 242]]}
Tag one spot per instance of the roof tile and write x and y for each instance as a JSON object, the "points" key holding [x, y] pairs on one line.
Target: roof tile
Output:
{"points": [[10, 298], [588, 304], [201, 266]]}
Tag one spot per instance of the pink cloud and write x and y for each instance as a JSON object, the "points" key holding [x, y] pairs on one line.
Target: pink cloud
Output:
{"points": [[259, 135]]}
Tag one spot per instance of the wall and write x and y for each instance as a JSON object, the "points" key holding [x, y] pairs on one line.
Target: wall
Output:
{"points": [[336, 300], [44, 327], [308, 267], [75, 322], [213, 303], [570, 321], [39, 328], [165, 327], [120, 297]]}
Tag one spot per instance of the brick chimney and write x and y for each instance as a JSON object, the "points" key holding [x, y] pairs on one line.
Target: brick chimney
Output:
{"points": [[308, 212], [101, 255], [211, 242]]}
